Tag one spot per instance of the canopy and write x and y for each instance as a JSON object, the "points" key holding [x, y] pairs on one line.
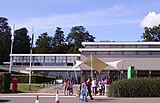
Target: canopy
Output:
{"points": [[78, 63], [114, 64], [95, 63]]}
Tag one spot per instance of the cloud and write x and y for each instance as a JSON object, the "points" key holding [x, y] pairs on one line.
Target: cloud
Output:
{"points": [[118, 14], [152, 19]]}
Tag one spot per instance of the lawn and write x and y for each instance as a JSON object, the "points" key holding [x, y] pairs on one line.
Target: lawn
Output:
{"points": [[23, 87]]}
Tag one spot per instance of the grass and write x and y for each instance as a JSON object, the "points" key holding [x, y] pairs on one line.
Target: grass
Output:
{"points": [[24, 87]]}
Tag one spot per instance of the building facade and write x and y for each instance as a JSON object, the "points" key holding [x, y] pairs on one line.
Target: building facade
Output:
{"points": [[59, 65], [144, 56]]}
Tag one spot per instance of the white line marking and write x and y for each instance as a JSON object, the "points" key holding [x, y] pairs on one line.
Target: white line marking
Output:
{"points": [[35, 96], [14, 96]]}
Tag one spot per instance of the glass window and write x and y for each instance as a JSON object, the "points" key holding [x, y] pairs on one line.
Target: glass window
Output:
{"points": [[104, 46], [119, 46], [102, 53], [132, 46], [155, 53], [116, 53], [126, 46], [154, 46], [113, 46], [143, 53], [94, 46], [129, 53], [142, 46]]}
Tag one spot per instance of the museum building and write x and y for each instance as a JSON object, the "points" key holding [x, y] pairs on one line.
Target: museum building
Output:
{"points": [[143, 56]]}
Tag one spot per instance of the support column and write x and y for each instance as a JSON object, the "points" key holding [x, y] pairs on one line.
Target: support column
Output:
{"points": [[108, 74], [150, 72]]}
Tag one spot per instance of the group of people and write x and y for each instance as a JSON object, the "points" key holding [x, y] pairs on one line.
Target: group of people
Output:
{"points": [[68, 87], [93, 87], [88, 87]]}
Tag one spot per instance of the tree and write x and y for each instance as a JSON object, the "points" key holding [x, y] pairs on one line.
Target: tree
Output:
{"points": [[5, 40], [4, 27], [77, 35], [58, 37], [43, 44], [21, 43], [59, 45], [151, 34]]}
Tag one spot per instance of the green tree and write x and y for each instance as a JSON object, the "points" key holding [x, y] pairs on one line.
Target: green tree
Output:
{"points": [[151, 34], [5, 40], [43, 44], [21, 43], [59, 45], [77, 35]]}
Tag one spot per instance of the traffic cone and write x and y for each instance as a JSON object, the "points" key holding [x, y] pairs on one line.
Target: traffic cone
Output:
{"points": [[37, 99], [57, 97]]}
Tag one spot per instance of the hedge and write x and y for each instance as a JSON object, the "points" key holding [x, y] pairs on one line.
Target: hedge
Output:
{"points": [[136, 87], [5, 80], [34, 78]]}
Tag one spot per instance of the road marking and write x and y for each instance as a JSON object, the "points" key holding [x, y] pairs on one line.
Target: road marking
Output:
{"points": [[34, 96], [14, 96]]}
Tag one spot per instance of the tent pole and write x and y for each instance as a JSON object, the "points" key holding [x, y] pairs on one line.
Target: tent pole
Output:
{"points": [[75, 74], [91, 68]]}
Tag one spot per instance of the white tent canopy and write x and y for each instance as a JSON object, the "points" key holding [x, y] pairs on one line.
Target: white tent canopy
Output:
{"points": [[114, 64], [78, 63]]}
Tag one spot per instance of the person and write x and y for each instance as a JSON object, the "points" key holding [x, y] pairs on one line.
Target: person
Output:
{"points": [[103, 86], [106, 82], [68, 87], [71, 87], [100, 88], [84, 91], [89, 83], [94, 84], [65, 87]]}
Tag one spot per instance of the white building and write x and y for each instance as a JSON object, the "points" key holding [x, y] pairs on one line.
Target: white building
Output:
{"points": [[58, 65], [144, 56]]}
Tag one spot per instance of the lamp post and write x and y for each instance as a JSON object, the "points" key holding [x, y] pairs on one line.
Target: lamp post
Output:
{"points": [[12, 40], [30, 64]]}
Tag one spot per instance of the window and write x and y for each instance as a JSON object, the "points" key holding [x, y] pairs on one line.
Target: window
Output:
{"points": [[143, 53], [116, 53], [129, 53], [155, 53]]}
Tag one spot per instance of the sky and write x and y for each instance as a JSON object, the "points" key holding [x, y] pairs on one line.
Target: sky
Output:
{"points": [[107, 20]]}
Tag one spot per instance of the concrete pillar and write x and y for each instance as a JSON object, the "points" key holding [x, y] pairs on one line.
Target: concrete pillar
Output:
{"points": [[150, 72]]}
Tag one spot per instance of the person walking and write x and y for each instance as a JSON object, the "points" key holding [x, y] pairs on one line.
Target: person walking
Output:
{"points": [[89, 83], [84, 91]]}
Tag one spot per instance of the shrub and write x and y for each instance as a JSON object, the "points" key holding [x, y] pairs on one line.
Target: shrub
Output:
{"points": [[136, 87], [5, 79], [34, 78]]}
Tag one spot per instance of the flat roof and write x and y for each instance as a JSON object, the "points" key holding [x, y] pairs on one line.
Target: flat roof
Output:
{"points": [[118, 49], [53, 68], [46, 54], [120, 43]]}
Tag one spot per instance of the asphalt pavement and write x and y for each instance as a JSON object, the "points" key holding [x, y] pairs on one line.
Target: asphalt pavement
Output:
{"points": [[48, 95]]}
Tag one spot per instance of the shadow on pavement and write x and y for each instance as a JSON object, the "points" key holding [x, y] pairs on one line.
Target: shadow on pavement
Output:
{"points": [[98, 100], [2, 101]]}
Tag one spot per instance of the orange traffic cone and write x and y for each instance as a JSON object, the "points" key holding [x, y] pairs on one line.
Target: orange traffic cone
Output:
{"points": [[57, 97], [37, 99]]}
